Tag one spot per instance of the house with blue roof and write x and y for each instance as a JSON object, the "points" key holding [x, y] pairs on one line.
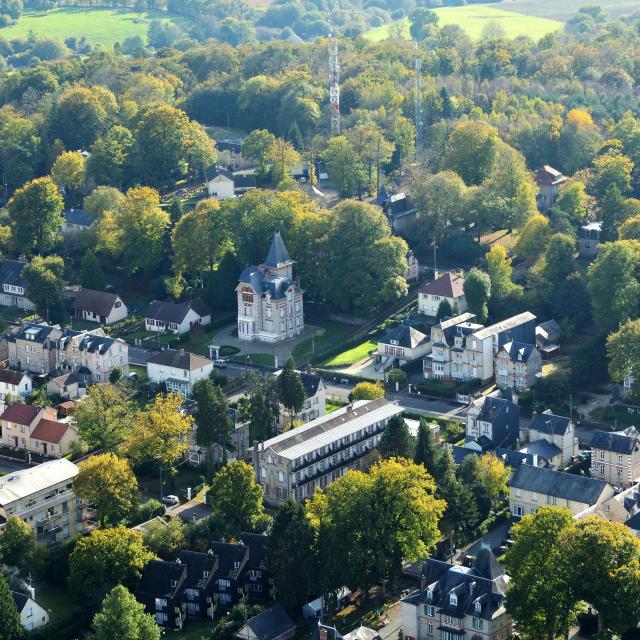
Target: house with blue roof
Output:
{"points": [[13, 291], [518, 365], [75, 220], [270, 301]]}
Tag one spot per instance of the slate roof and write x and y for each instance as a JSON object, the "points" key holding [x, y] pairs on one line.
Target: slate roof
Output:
{"points": [[634, 522], [542, 448], [485, 583], [404, 336], [157, 577], [77, 216], [20, 413], [504, 417], [566, 486], [448, 285], [36, 333], [179, 359], [505, 327], [8, 376], [518, 351], [268, 625], [549, 423], [311, 382], [11, 273], [197, 564], [98, 302], [615, 441], [20, 600], [278, 253], [65, 380], [257, 544], [228, 554], [95, 343], [50, 430], [220, 171], [175, 311], [510, 457]]}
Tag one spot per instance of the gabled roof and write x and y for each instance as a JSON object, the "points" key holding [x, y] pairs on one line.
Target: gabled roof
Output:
{"points": [[20, 413], [518, 351], [50, 430], [278, 254], [549, 423], [162, 579], [404, 336], [268, 625], [448, 285], [220, 172], [200, 567], [559, 484], [175, 311], [549, 176], [20, 600], [65, 380], [179, 359], [11, 273], [311, 383], [98, 302], [36, 332], [616, 442], [507, 325], [95, 343], [542, 448], [21, 484], [228, 555], [257, 544], [8, 376]]}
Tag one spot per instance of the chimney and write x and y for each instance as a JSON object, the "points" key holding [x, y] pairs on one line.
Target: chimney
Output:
{"points": [[472, 588], [423, 583]]}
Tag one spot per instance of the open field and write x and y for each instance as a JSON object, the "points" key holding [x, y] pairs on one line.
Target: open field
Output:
{"points": [[351, 356], [99, 26], [474, 18], [567, 8]]}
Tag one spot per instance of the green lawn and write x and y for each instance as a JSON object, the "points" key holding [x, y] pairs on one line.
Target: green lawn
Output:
{"points": [[193, 630], [473, 19], [265, 359], [331, 335], [333, 404], [225, 132], [99, 26], [351, 356]]}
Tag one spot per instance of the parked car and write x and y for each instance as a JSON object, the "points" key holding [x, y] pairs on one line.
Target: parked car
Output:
{"points": [[221, 363], [171, 500]]}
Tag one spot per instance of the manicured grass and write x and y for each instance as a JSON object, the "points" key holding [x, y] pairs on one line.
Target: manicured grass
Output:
{"points": [[351, 356], [331, 335], [333, 404], [57, 600], [265, 359], [473, 19], [193, 630], [99, 26]]}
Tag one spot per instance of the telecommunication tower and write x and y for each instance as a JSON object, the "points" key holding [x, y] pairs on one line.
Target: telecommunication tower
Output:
{"points": [[334, 88], [417, 66]]}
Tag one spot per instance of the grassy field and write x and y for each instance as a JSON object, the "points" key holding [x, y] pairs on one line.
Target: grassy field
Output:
{"points": [[351, 355], [218, 133], [99, 26], [473, 19], [332, 334], [567, 8]]}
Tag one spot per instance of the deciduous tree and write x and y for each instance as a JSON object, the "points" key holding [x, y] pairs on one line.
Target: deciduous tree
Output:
{"points": [[108, 483], [11, 627], [396, 441], [17, 543], [367, 391], [477, 290], [44, 280], [623, 351], [290, 389], [69, 171], [534, 237], [166, 538], [112, 156]]}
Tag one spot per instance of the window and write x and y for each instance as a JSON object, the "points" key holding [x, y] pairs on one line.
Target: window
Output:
{"points": [[534, 497], [429, 594], [263, 472], [161, 603], [247, 297], [161, 618], [478, 623], [430, 628], [551, 500], [477, 606], [453, 600], [224, 584], [602, 455], [518, 510], [429, 610], [205, 574], [280, 476], [236, 565], [619, 457], [568, 503]]}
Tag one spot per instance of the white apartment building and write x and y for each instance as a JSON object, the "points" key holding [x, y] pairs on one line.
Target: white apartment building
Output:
{"points": [[295, 463], [178, 369]]}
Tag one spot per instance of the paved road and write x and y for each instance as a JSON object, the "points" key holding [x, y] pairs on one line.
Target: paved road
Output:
{"points": [[139, 355], [394, 615], [7, 466], [430, 408]]}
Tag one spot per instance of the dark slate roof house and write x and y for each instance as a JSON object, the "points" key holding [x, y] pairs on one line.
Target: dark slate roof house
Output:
{"points": [[13, 289], [160, 590], [550, 424], [504, 417], [448, 285], [197, 588], [404, 336], [99, 306], [179, 359], [615, 442], [272, 624]]}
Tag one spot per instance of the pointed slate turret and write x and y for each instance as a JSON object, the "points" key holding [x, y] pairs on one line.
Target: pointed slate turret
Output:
{"points": [[278, 254]]}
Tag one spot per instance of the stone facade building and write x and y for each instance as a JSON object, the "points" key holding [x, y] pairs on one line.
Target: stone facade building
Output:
{"points": [[615, 457], [270, 303]]}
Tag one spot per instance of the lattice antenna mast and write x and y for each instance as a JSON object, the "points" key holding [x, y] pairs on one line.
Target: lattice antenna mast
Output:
{"points": [[417, 66], [334, 87]]}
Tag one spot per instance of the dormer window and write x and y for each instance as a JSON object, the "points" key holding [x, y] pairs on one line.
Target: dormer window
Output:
{"points": [[453, 600], [236, 565], [174, 584], [429, 594], [478, 606]]}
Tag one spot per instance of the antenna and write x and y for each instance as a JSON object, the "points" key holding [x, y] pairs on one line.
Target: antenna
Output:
{"points": [[417, 67], [334, 88]]}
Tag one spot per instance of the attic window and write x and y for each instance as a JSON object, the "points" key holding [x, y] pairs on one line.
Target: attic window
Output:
{"points": [[453, 600], [478, 606], [429, 594], [174, 583]]}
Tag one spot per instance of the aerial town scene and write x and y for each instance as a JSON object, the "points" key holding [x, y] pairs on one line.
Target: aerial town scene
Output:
{"points": [[319, 320]]}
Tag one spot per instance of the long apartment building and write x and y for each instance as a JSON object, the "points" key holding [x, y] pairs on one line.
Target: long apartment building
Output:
{"points": [[43, 497], [465, 350], [295, 463]]}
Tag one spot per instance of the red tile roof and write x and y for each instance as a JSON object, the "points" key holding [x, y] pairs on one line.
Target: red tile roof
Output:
{"points": [[50, 430], [20, 413], [447, 285]]}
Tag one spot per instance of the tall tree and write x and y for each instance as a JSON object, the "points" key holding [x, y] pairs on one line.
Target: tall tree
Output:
{"points": [[282, 157], [396, 441], [540, 593], [101, 200], [44, 280], [69, 172], [623, 351], [212, 415], [135, 231], [477, 290], [472, 151], [290, 547], [35, 213], [236, 497], [166, 538], [104, 418], [17, 545], [261, 408], [112, 157], [107, 482], [256, 147], [91, 274], [106, 558], [345, 167], [534, 238], [426, 447], [290, 389], [499, 270], [10, 626], [123, 617], [159, 432]]}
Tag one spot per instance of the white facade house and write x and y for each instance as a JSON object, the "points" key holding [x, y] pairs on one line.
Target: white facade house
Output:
{"points": [[449, 287], [518, 366], [99, 306], [16, 384], [402, 344], [557, 430], [270, 302], [32, 615], [179, 370], [176, 317], [12, 287], [296, 463], [222, 185]]}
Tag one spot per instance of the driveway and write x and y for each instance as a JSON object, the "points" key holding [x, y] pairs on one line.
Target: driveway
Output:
{"points": [[394, 615], [139, 355], [9, 466]]}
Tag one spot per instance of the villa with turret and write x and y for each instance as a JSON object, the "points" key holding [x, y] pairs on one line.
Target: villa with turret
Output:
{"points": [[270, 302]]}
